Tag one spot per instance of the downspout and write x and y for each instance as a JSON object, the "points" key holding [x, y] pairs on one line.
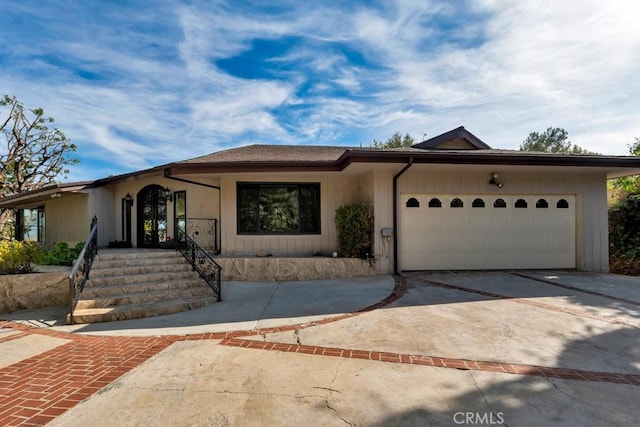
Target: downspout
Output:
{"points": [[395, 215], [167, 174]]}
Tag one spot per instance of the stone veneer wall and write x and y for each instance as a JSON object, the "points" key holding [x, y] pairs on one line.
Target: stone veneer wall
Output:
{"points": [[282, 269], [34, 290]]}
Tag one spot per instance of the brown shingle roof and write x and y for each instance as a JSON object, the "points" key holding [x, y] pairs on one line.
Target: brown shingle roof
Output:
{"points": [[272, 153]]}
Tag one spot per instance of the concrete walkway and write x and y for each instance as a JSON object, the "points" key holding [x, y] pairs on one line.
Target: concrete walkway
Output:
{"points": [[245, 306], [483, 348]]}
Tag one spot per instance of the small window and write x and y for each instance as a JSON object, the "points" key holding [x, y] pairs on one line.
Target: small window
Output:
{"points": [[478, 203], [457, 203], [500, 203], [562, 204], [521, 204], [413, 203], [435, 203], [542, 204], [30, 225]]}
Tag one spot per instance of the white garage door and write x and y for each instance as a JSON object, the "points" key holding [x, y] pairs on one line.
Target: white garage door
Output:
{"points": [[454, 232]]}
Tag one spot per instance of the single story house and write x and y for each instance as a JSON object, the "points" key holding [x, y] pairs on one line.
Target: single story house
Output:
{"points": [[450, 202]]}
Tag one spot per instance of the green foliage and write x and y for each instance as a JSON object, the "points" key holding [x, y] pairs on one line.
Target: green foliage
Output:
{"points": [[354, 224], [16, 257], [396, 140], [60, 254], [624, 227], [628, 184], [553, 140]]}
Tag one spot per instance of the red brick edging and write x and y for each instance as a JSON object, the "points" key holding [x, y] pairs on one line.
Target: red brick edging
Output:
{"points": [[441, 362], [399, 289], [36, 390]]}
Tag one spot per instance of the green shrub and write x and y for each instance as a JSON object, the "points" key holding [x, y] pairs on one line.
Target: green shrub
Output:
{"points": [[60, 254], [16, 257], [354, 224], [624, 227]]}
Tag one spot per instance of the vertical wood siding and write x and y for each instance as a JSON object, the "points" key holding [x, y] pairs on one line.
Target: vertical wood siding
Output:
{"points": [[67, 220], [335, 190], [592, 253]]}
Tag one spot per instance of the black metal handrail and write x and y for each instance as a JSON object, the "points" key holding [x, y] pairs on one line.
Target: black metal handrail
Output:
{"points": [[81, 268], [203, 263]]}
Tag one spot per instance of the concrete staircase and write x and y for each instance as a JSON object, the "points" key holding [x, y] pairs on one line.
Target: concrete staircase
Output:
{"points": [[132, 284]]}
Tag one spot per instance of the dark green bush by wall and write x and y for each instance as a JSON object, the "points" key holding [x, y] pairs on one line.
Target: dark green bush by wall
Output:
{"points": [[354, 225], [624, 227]]}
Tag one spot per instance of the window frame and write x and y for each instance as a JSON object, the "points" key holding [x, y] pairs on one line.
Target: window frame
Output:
{"points": [[178, 233], [40, 225], [434, 202], [521, 204], [412, 202], [501, 205], [456, 203], [478, 203], [292, 185], [542, 204]]}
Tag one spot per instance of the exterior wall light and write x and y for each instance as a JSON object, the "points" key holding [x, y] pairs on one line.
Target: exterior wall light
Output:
{"points": [[494, 180], [168, 194], [129, 199]]}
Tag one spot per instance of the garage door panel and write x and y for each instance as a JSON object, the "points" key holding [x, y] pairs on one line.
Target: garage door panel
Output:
{"points": [[486, 237]]}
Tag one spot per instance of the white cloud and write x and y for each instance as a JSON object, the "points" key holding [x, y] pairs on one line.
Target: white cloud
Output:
{"points": [[542, 64], [160, 96]]}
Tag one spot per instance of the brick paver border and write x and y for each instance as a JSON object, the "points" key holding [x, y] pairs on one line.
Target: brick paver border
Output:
{"points": [[36, 390], [441, 362]]}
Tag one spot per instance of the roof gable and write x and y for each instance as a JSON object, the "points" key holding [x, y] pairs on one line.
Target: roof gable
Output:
{"points": [[456, 139]]}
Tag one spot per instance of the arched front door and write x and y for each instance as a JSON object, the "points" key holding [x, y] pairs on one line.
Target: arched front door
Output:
{"points": [[152, 216]]}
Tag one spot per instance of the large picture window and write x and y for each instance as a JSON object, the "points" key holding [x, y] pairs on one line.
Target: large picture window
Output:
{"points": [[283, 208]]}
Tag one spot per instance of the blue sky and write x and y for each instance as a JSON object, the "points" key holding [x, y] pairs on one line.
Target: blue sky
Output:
{"points": [[136, 84]]}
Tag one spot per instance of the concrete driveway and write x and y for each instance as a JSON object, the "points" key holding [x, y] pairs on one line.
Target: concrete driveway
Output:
{"points": [[471, 348]]}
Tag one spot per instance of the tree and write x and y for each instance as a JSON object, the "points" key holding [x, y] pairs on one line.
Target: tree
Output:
{"points": [[627, 184], [35, 154], [553, 140], [396, 140]]}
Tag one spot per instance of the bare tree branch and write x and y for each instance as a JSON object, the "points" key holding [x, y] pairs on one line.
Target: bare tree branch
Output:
{"points": [[36, 155]]}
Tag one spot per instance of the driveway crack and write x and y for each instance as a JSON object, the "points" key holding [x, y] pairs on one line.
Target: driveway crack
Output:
{"points": [[558, 389], [266, 306], [484, 396], [333, 390]]}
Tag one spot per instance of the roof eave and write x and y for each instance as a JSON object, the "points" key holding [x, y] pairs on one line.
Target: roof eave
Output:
{"points": [[491, 158], [41, 194]]}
